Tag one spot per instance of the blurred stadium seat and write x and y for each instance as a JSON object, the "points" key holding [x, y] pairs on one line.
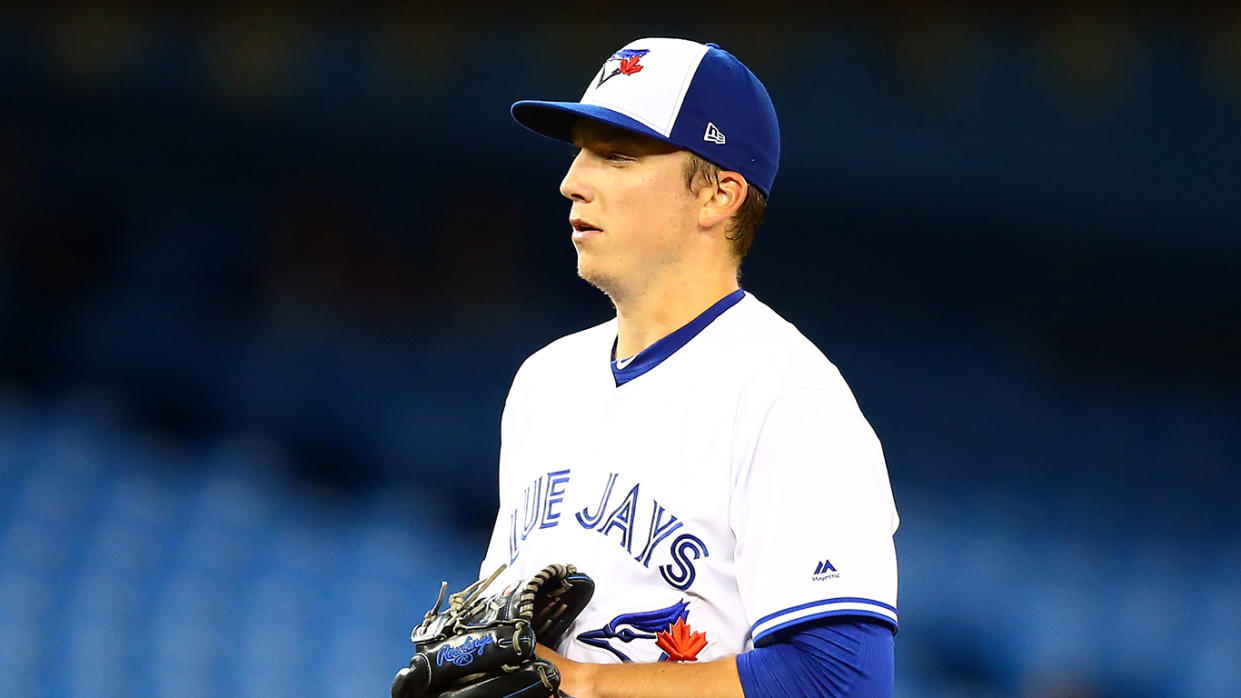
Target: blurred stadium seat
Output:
{"points": [[135, 566]]}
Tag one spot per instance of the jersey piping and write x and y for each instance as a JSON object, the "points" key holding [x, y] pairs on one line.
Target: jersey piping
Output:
{"points": [[769, 625], [625, 370]]}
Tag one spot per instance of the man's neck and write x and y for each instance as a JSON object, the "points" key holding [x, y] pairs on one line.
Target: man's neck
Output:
{"points": [[645, 318]]}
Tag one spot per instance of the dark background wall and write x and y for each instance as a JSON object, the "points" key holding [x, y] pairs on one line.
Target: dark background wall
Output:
{"points": [[265, 275]]}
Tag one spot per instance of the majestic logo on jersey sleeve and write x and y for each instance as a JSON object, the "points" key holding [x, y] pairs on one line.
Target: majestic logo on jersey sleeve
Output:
{"points": [[668, 627], [825, 570], [626, 61]]}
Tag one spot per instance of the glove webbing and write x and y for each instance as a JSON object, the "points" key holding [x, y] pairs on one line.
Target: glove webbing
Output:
{"points": [[555, 608], [462, 604]]}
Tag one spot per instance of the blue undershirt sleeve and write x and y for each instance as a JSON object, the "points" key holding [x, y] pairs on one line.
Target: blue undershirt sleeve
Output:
{"points": [[839, 659]]}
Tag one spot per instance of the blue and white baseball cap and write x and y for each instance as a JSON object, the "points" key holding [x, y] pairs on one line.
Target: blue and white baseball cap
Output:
{"points": [[695, 96]]}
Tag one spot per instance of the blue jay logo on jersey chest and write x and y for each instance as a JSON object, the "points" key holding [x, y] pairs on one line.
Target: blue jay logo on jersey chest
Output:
{"points": [[668, 627]]}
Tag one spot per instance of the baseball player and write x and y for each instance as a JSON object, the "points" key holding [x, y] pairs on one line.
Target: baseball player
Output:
{"points": [[696, 455]]}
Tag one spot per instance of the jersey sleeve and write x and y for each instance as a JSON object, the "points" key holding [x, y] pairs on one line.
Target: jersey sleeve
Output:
{"points": [[813, 515], [826, 658]]}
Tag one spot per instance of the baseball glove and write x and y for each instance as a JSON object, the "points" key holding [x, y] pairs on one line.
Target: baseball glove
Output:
{"points": [[483, 647]]}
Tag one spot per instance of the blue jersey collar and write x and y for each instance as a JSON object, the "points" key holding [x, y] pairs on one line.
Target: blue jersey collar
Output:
{"points": [[626, 370]]}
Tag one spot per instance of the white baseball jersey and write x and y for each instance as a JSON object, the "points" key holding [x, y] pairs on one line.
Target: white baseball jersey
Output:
{"points": [[720, 487]]}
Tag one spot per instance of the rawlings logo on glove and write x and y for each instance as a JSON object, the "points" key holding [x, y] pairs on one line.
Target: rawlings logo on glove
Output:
{"points": [[464, 654]]}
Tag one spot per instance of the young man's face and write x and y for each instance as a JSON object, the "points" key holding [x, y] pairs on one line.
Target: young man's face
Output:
{"points": [[632, 212]]}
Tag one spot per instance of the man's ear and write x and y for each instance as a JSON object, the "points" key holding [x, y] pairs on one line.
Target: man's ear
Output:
{"points": [[725, 198]]}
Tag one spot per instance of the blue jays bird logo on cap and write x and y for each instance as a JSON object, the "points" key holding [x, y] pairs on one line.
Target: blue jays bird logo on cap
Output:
{"points": [[627, 62]]}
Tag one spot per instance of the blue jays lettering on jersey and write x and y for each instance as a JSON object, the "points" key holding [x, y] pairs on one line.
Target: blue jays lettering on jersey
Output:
{"points": [[617, 517]]}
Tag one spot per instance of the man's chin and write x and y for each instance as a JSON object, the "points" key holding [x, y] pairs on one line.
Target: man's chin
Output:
{"points": [[597, 278], [593, 276]]}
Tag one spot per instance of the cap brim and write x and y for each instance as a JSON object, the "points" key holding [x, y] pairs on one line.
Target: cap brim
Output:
{"points": [[556, 119]]}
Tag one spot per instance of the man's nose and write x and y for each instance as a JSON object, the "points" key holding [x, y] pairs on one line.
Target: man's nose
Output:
{"points": [[575, 186]]}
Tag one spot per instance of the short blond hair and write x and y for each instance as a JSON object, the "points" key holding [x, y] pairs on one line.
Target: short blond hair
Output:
{"points": [[700, 172]]}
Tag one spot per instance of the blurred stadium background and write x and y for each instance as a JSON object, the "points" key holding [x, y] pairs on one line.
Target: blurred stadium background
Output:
{"points": [[266, 272]]}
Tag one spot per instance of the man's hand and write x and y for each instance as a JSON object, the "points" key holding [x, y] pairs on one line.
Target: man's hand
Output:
{"points": [[573, 682]]}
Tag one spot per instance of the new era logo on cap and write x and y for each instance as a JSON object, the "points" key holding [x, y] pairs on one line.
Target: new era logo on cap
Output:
{"points": [[680, 92], [714, 135]]}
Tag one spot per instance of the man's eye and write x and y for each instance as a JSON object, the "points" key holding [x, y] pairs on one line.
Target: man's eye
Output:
{"points": [[618, 157]]}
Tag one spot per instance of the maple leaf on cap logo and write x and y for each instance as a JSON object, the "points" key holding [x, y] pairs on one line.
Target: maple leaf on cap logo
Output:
{"points": [[680, 642], [630, 65]]}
